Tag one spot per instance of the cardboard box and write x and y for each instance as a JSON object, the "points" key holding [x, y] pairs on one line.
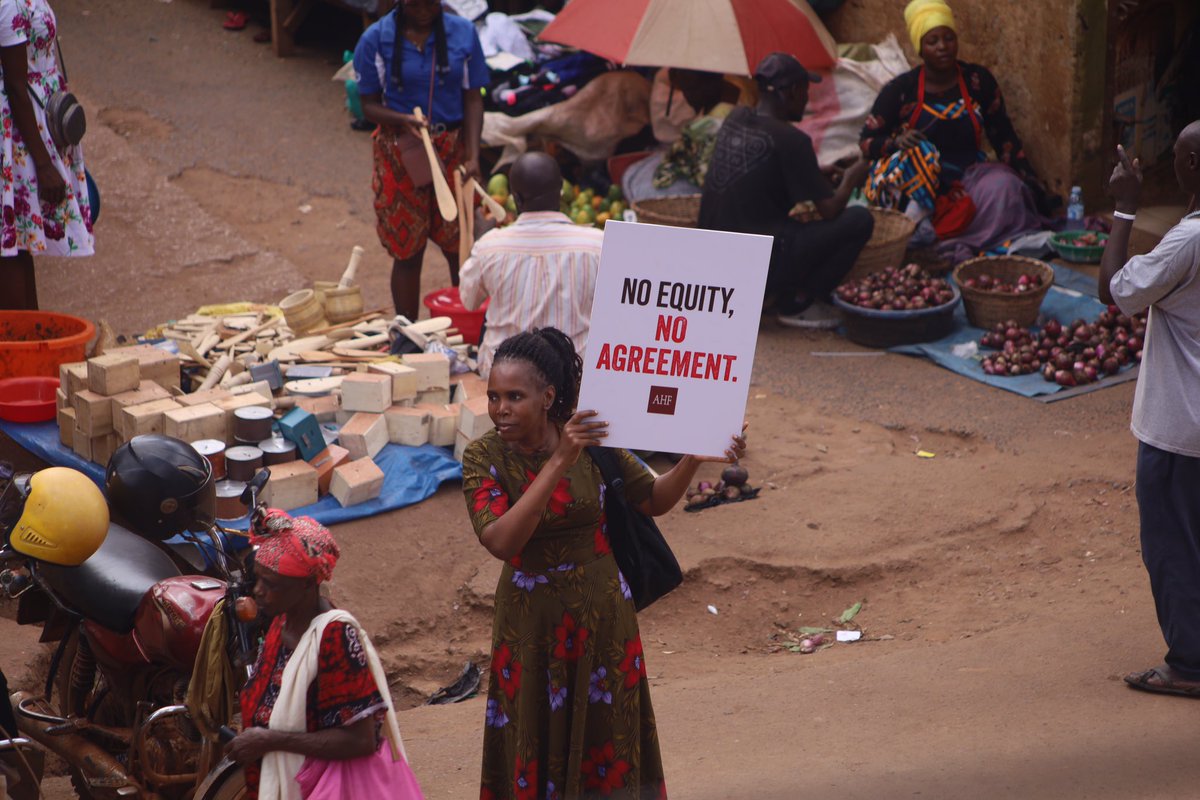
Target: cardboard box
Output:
{"points": [[325, 461], [93, 413], [133, 421], [407, 425], [433, 370], [302, 428], [292, 485], [113, 373], [356, 482], [404, 379], [190, 423], [364, 435], [366, 391]]}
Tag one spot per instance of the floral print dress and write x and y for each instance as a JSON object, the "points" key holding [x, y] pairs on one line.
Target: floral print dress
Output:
{"points": [[568, 706], [28, 224]]}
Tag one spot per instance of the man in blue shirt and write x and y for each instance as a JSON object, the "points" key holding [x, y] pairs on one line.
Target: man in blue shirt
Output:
{"points": [[419, 56]]}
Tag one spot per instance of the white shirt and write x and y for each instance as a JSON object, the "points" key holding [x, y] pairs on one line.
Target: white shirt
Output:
{"points": [[539, 272]]}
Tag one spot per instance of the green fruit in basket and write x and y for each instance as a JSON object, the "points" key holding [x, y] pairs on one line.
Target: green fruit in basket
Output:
{"points": [[617, 209], [498, 184], [511, 204], [614, 192], [568, 191], [605, 205], [582, 218]]}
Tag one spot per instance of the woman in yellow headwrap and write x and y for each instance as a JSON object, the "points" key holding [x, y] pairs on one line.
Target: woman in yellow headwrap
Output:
{"points": [[926, 134]]}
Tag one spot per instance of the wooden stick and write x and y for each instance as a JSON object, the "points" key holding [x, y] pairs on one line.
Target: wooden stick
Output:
{"points": [[348, 324], [217, 372], [464, 243], [497, 211], [445, 198], [244, 335]]}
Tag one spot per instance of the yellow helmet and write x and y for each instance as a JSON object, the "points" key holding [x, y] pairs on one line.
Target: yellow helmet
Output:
{"points": [[65, 518]]}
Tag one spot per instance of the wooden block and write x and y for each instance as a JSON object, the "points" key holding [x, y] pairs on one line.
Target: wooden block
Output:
{"points": [[364, 435], [324, 462], [356, 482], [460, 445], [261, 388], [467, 386], [93, 413], [301, 428], [443, 423], [61, 400], [133, 421], [113, 373], [433, 370], [366, 391], [433, 397], [232, 403], [205, 396], [324, 408], [66, 426], [72, 377], [292, 485], [473, 419], [190, 423], [407, 425], [81, 443], [155, 364], [103, 447], [342, 416], [404, 379], [147, 392]]}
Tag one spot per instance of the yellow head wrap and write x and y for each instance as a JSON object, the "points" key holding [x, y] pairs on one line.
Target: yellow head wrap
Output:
{"points": [[922, 16]]}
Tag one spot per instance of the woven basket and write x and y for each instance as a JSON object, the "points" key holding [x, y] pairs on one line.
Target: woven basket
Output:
{"points": [[987, 309], [887, 244], [682, 211]]}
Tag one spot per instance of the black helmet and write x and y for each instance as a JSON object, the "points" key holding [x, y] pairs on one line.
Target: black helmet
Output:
{"points": [[160, 486]]}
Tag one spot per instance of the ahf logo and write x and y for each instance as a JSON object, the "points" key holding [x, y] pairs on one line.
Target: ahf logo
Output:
{"points": [[662, 400]]}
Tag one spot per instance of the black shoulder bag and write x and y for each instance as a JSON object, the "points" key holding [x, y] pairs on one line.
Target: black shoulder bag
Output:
{"points": [[642, 554]]}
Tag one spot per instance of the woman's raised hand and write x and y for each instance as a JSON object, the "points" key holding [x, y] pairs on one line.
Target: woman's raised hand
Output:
{"points": [[735, 451], [580, 431]]}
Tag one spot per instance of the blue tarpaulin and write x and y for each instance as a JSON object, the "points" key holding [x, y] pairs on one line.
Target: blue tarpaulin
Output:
{"points": [[411, 474], [1073, 296]]}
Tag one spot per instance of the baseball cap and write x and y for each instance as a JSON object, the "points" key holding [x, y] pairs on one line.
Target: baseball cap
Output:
{"points": [[780, 70]]}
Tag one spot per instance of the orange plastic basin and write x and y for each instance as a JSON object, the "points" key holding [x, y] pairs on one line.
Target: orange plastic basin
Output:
{"points": [[37, 342]]}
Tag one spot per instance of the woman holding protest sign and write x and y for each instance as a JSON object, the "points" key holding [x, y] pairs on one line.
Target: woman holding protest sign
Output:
{"points": [[568, 711]]}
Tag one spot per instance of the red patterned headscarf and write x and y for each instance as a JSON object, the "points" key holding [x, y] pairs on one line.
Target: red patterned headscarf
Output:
{"points": [[296, 547]]}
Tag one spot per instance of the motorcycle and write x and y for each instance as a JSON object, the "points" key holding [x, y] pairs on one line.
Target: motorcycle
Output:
{"points": [[128, 626]]}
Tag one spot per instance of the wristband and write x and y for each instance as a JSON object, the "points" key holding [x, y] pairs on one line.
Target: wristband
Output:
{"points": [[1123, 215]]}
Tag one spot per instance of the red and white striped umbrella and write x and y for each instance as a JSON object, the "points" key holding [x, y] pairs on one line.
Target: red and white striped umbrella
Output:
{"points": [[727, 36]]}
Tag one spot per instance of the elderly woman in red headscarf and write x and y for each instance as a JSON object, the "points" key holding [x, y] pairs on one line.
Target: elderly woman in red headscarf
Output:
{"points": [[315, 690]]}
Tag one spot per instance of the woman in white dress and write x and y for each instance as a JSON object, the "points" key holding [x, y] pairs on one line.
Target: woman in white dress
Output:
{"points": [[44, 200]]}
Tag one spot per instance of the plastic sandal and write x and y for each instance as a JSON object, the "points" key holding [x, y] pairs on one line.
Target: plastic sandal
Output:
{"points": [[235, 21]]}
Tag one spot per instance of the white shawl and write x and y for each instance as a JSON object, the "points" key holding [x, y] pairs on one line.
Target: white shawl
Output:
{"points": [[279, 769]]}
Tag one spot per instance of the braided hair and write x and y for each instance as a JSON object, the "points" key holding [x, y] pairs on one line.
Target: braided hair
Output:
{"points": [[439, 47], [552, 353]]}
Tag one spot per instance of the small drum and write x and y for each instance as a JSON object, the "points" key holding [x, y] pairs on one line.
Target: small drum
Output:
{"points": [[242, 462], [214, 451], [277, 450], [252, 424], [229, 499]]}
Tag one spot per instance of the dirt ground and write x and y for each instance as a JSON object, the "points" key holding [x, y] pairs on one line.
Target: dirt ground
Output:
{"points": [[1004, 593]]}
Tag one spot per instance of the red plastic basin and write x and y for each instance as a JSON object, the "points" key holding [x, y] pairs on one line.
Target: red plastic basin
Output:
{"points": [[446, 303], [28, 399]]}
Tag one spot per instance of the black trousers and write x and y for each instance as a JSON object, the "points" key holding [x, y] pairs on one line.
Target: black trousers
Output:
{"points": [[814, 257], [8, 722], [1168, 493]]}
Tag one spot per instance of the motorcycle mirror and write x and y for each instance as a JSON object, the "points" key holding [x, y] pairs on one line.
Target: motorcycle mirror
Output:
{"points": [[255, 486]]}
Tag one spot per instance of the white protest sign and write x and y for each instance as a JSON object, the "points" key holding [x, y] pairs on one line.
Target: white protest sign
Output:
{"points": [[673, 330]]}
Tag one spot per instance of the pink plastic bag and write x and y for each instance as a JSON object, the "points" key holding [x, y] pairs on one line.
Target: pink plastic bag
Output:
{"points": [[369, 776]]}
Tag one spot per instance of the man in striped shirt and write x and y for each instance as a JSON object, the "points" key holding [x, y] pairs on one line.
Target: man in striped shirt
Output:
{"points": [[539, 271]]}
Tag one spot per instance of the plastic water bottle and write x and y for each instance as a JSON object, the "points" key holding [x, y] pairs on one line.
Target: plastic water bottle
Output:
{"points": [[1075, 209]]}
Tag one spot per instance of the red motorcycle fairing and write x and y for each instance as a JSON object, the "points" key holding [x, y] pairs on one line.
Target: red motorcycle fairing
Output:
{"points": [[170, 620], [112, 648]]}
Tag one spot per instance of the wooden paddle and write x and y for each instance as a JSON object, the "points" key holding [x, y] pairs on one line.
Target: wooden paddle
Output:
{"points": [[445, 198], [497, 211], [464, 210]]}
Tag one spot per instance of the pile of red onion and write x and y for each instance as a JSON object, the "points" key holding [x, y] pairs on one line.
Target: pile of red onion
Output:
{"points": [[908, 288], [1072, 355], [1026, 282]]}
